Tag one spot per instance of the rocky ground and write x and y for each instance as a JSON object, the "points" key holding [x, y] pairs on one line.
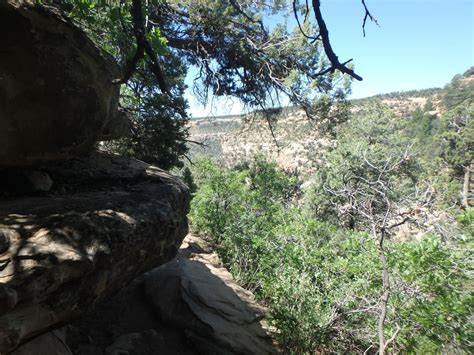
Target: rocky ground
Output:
{"points": [[191, 305]]}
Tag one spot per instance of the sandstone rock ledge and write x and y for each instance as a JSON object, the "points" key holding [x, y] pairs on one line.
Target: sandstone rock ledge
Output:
{"points": [[216, 314], [62, 253], [189, 306]]}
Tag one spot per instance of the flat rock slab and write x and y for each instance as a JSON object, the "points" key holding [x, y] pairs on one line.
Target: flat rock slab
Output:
{"points": [[61, 255], [200, 297]]}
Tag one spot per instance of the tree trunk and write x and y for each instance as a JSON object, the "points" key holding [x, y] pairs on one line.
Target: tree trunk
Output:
{"points": [[385, 294], [465, 187]]}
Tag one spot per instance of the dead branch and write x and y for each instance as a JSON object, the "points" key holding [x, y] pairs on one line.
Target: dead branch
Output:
{"points": [[392, 338], [367, 15], [324, 33], [385, 292], [201, 144]]}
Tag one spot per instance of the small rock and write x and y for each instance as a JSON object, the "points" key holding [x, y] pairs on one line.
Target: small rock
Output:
{"points": [[24, 181]]}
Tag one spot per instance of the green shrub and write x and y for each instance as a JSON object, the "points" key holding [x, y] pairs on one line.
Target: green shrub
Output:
{"points": [[323, 284]]}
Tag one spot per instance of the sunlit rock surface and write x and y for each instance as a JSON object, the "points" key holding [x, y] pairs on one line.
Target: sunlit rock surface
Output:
{"points": [[202, 299]]}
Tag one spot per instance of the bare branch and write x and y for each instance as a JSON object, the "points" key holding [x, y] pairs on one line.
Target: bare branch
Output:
{"points": [[324, 33], [138, 31], [155, 67], [295, 13], [201, 144], [368, 15], [394, 335]]}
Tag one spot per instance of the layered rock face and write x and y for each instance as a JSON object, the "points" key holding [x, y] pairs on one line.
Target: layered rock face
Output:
{"points": [[297, 143], [56, 92], [109, 220]]}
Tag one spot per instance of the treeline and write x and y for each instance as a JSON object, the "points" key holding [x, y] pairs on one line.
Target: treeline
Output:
{"points": [[427, 93], [373, 254], [403, 94]]}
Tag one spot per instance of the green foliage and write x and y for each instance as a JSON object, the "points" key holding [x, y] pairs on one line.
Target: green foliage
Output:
{"points": [[322, 284], [159, 122], [159, 132], [189, 180], [437, 153], [437, 274], [458, 91], [422, 127], [466, 219], [454, 140], [458, 137], [218, 200], [234, 53], [469, 73]]}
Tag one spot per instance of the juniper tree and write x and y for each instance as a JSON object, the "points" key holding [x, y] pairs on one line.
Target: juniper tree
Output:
{"points": [[233, 52]]}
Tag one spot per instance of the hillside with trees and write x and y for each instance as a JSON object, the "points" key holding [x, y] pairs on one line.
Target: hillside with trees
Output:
{"points": [[298, 143], [369, 251]]}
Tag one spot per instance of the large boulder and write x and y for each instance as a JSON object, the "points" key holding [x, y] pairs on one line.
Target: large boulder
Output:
{"points": [[56, 90], [106, 220]]}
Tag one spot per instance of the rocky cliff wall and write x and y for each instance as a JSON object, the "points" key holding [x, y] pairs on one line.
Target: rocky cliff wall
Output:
{"points": [[63, 252]]}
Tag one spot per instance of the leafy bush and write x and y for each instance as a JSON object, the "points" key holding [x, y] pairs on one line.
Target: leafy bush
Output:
{"points": [[323, 284]]}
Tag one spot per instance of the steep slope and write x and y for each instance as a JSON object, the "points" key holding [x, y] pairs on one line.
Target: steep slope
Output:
{"points": [[296, 142]]}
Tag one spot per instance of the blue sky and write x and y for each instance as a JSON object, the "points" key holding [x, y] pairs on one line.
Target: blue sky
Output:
{"points": [[419, 44]]}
